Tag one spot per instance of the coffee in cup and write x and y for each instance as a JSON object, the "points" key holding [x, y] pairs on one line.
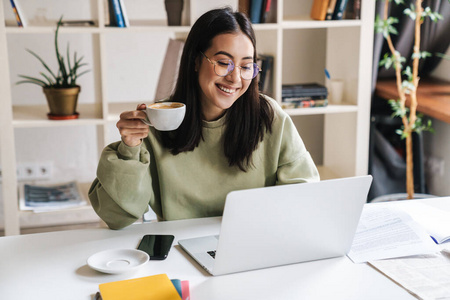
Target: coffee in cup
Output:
{"points": [[165, 116]]}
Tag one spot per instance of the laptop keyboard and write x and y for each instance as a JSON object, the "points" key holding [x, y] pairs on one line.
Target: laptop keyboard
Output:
{"points": [[212, 253]]}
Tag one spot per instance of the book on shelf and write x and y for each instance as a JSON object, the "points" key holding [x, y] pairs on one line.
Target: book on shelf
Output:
{"points": [[18, 13], [151, 287], [124, 13], [319, 9], [244, 7], [115, 14], [106, 13], [357, 9], [169, 72], [256, 7], [330, 10], [265, 11], [265, 62], [40, 198], [339, 9], [303, 102], [353, 10], [304, 90]]}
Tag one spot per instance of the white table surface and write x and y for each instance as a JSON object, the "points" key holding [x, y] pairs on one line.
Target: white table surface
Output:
{"points": [[53, 266]]}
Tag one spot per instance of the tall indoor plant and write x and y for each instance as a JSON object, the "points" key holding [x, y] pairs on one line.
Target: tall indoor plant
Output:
{"points": [[407, 77], [60, 88]]}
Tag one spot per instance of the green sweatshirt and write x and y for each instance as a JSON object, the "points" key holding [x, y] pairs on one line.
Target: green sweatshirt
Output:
{"points": [[193, 184]]}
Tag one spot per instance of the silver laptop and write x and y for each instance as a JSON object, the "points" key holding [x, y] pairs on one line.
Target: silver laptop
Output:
{"points": [[273, 226]]}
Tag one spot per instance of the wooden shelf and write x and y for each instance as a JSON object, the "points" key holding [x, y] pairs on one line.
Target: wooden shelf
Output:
{"points": [[433, 96], [28, 116]]}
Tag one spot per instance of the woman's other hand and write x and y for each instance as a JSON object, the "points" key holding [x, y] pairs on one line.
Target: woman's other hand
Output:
{"points": [[131, 128]]}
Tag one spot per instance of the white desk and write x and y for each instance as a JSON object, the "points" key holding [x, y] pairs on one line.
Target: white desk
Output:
{"points": [[53, 266]]}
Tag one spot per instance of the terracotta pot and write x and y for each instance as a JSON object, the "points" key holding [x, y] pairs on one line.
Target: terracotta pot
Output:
{"points": [[62, 101]]}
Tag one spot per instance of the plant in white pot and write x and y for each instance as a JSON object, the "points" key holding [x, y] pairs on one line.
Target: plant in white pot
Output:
{"points": [[60, 88], [407, 77]]}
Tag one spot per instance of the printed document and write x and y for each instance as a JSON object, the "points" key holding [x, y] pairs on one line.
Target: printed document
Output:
{"points": [[385, 231], [435, 221], [425, 276]]}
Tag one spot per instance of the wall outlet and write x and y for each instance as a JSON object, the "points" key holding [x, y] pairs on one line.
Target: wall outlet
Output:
{"points": [[34, 171]]}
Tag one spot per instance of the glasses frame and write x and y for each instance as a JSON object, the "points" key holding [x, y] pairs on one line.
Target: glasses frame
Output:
{"points": [[214, 62]]}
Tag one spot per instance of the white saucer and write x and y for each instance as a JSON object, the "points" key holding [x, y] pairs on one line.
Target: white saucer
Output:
{"points": [[118, 260]]}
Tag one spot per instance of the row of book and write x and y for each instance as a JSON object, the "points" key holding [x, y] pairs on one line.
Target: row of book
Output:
{"points": [[304, 95], [259, 11], [335, 9], [150, 287], [265, 62], [115, 15]]}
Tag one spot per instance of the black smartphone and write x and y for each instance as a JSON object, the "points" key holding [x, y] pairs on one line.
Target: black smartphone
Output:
{"points": [[157, 246]]}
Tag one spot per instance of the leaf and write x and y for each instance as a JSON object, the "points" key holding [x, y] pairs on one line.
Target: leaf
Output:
{"points": [[32, 80], [407, 72], [421, 55], [408, 86], [42, 62], [397, 109], [66, 75], [50, 82], [434, 16]]}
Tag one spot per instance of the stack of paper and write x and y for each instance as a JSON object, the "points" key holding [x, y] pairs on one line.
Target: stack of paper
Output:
{"points": [[400, 241], [40, 198], [385, 231]]}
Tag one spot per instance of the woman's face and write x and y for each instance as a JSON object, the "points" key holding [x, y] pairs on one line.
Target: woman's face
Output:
{"points": [[219, 93]]}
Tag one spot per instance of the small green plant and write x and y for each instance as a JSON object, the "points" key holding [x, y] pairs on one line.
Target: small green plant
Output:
{"points": [[407, 78], [68, 72]]}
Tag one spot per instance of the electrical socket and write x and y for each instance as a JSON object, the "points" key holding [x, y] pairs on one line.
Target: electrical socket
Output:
{"points": [[34, 171]]}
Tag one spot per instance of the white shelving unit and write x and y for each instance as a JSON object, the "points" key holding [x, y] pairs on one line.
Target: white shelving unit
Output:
{"points": [[337, 135]]}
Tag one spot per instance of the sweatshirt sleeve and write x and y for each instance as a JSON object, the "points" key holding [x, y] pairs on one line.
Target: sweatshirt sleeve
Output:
{"points": [[295, 164], [123, 188]]}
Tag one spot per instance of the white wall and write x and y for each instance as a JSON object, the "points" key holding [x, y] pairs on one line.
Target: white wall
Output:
{"points": [[437, 145]]}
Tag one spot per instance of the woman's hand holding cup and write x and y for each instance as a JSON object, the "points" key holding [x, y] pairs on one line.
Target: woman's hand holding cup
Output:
{"points": [[131, 128]]}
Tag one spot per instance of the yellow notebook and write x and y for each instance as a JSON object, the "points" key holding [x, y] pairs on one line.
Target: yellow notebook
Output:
{"points": [[144, 288]]}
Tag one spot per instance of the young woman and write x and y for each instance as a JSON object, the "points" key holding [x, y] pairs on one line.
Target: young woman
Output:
{"points": [[231, 138]]}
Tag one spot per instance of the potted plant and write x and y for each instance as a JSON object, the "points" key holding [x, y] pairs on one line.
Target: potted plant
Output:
{"points": [[407, 78], [60, 88]]}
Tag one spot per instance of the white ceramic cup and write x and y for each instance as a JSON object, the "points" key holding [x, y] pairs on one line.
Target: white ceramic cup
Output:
{"points": [[165, 116], [336, 91]]}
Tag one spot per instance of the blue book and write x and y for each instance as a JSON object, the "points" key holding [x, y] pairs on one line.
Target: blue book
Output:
{"points": [[17, 14], [339, 9], [118, 17], [255, 11]]}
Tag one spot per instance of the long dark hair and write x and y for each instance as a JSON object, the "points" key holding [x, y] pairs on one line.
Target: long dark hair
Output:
{"points": [[246, 120]]}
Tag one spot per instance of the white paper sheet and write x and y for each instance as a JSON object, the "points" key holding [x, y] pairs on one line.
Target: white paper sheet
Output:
{"points": [[425, 276], [435, 221], [385, 231]]}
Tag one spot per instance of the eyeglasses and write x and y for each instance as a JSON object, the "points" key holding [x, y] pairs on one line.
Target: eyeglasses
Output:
{"points": [[223, 67]]}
